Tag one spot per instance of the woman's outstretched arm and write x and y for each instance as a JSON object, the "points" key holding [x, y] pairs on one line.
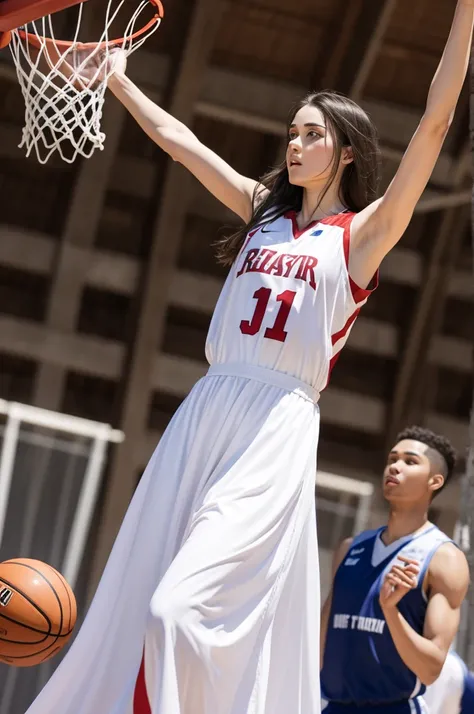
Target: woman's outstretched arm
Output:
{"points": [[376, 229], [227, 185]]}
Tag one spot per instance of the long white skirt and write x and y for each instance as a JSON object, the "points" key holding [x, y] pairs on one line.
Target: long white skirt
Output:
{"points": [[215, 569]]}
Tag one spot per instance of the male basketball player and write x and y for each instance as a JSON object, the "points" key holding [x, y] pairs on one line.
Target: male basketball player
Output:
{"points": [[453, 691], [393, 610]]}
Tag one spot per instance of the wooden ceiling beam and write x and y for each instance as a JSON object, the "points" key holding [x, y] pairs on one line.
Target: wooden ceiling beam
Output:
{"points": [[115, 272], [261, 104], [432, 294], [354, 46]]}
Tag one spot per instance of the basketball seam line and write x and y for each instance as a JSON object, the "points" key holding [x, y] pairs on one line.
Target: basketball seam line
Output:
{"points": [[27, 597], [33, 629], [30, 567]]}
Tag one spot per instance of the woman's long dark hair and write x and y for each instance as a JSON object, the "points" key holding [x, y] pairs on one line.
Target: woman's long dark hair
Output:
{"points": [[350, 126]]}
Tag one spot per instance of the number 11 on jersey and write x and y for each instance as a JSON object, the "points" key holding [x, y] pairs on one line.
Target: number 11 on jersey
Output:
{"points": [[277, 332]]}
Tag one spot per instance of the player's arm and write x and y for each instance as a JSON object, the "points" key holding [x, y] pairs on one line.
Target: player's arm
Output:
{"points": [[377, 228], [447, 584], [338, 556], [235, 191]]}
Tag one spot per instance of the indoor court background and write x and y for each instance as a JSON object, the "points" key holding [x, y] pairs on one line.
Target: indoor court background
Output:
{"points": [[107, 276]]}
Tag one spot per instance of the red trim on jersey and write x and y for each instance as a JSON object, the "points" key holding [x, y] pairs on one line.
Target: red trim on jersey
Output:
{"points": [[141, 704], [358, 293], [342, 333], [298, 232], [344, 220], [337, 336], [340, 219]]}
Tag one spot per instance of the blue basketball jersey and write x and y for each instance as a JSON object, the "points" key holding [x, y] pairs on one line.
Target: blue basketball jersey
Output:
{"points": [[467, 701], [361, 664]]}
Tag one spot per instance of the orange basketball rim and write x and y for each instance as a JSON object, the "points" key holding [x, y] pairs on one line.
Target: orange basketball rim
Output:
{"points": [[63, 82], [14, 14]]}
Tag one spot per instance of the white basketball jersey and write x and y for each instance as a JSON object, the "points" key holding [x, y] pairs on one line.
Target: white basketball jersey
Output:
{"points": [[289, 303]]}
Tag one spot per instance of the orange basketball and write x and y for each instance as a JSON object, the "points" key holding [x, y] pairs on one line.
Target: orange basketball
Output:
{"points": [[37, 612]]}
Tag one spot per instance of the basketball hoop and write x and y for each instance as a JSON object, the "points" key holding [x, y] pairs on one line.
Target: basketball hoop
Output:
{"points": [[63, 82]]}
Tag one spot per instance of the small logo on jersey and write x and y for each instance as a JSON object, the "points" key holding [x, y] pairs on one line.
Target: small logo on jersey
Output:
{"points": [[5, 596], [415, 553], [356, 551], [272, 230], [351, 561], [316, 233]]}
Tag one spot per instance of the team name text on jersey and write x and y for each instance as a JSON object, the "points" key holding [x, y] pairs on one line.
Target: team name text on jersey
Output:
{"points": [[285, 265], [357, 622]]}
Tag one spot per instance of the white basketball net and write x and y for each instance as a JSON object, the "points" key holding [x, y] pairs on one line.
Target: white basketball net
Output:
{"points": [[62, 113]]}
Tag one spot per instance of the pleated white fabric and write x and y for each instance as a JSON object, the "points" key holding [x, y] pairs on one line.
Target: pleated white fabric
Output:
{"points": [[215, 567]]}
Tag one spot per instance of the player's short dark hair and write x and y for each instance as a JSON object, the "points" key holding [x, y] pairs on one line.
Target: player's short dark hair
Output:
{"points": [[439, 446]]}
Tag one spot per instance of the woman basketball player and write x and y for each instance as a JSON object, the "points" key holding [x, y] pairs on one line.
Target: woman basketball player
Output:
{"points": [[214, 573]]}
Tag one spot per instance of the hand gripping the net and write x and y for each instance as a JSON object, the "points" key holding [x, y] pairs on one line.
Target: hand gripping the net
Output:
{"points": [[64, 83]]}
